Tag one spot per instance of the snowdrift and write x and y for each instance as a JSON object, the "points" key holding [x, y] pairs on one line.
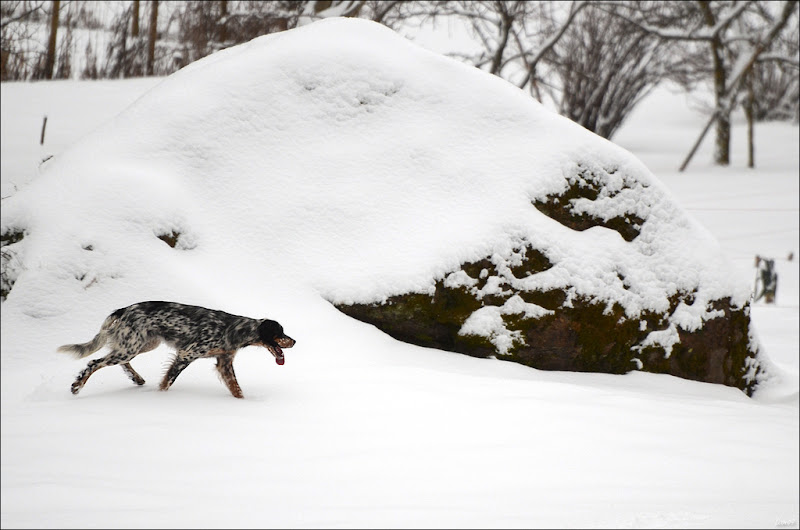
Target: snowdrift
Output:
{"points": [[411, 191]]}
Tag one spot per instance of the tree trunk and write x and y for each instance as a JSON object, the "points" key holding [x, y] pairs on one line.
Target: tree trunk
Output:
{"points": [[135, 19], [151, 43], [124, 60], [722, 150], [749, 111], [50, 60], [698, 142], [505, 29], [223, 14], [322, 5]]}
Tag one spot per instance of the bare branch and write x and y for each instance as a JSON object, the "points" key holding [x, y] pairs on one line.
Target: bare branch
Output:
{"points": [[775, 57], [21, 16], [699, 34], [769, 36], [576, 8]]}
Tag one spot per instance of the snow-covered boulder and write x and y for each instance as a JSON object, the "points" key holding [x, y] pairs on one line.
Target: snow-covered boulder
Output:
{"points": [[413, 192], [590, 312]]}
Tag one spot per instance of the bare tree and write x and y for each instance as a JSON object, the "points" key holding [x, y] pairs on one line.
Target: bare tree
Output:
{"points": [[223, 16], [778, 88], [499, 29], [50, 58], [126, 56], [152, 37], [594, 66], [775, 78], [387, 12], [758, 43], [605, 65], [135, 19], [511, 36], [17, 11], [720, 40], [63, 66], [318, 9], [206, 27], [17, 38]]}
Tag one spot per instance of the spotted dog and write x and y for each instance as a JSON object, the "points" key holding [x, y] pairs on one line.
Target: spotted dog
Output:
{"points": [[193, 331]]}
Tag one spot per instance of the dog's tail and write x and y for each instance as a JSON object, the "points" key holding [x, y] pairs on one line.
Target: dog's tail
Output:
{"points": [[80, 351]]}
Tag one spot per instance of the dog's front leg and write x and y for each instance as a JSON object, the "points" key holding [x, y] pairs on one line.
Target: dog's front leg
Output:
{"points": [[225, 369], [182, 360]]}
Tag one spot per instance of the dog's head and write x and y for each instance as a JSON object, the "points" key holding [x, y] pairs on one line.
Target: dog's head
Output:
{"points": [[272, 337]]}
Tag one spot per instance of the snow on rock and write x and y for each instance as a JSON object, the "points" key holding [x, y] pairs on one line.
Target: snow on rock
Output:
{"points": [[488, 322], [347, 162]]}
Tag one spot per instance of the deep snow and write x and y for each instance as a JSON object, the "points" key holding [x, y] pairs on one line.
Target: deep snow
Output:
{"points": [[330, 155], [357, 429]]}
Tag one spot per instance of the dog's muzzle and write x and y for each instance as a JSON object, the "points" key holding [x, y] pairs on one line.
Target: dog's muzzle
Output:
{"points": [[276, 349]]}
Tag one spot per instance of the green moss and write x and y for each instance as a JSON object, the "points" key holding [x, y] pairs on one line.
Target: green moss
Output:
{"points": [[738, 347], [552, 299], [170, 239], [473, 345], [586, 185], [473, 269], [426, 321], [587, 336], [601, 338], [534, 261]]}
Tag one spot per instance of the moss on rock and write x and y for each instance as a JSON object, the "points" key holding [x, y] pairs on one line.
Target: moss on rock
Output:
{"points": [[170, 238], [584, 335], [589, 184], [431, 321], [490, 308]]}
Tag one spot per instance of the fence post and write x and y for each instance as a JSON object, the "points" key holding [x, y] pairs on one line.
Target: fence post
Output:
{"points": [[44, 125]]}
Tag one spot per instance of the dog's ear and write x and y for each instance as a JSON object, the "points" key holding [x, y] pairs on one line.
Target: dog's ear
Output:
{"points": [[269, 330]]}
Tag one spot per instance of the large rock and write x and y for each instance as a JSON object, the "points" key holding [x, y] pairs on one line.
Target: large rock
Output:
{"points": [[510, 306]]}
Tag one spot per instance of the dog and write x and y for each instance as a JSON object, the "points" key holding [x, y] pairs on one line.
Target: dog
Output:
{"points": [[195, 332]]}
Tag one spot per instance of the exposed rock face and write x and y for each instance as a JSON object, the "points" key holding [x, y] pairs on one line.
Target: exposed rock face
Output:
{"points": [[494, 307]]}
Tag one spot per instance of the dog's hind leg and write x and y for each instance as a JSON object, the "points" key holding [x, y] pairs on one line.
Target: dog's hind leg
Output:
{"points": [[133, 374], [182, 360], [225, 369], [91, 368], [115, 357], [150, 345]]}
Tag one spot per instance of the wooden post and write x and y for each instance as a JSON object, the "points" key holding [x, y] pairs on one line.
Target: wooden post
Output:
{"points": [[44, 125]]}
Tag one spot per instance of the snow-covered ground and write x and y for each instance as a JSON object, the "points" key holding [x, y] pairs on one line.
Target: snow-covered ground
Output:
{"points": [[359, 430]]}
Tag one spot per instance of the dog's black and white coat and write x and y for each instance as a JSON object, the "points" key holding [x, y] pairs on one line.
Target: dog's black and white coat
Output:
{"points": [[193, 331]]}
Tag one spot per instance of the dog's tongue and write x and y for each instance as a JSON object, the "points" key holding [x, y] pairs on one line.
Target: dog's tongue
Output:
{"points": [[279, 360]]}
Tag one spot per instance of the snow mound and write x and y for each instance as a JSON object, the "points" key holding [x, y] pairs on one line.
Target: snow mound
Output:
{"points": [[339, 158]]}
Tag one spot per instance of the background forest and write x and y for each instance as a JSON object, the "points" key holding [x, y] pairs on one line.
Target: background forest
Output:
{"points": [[590, 61]]}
